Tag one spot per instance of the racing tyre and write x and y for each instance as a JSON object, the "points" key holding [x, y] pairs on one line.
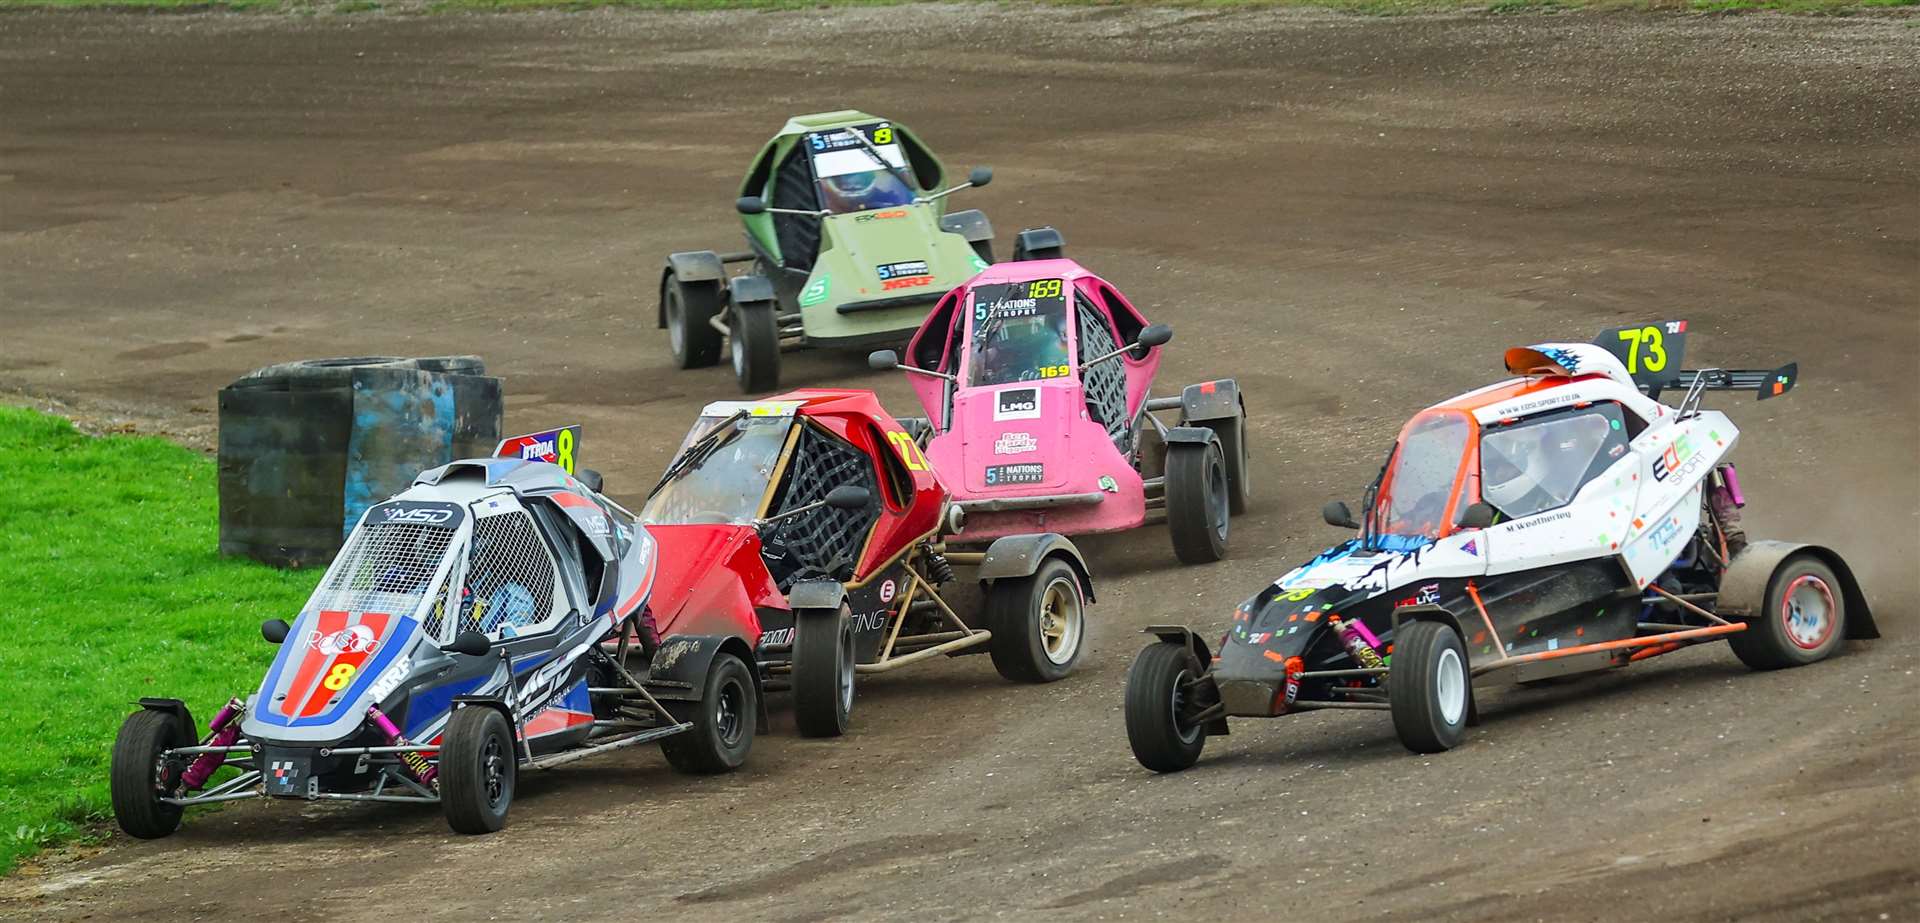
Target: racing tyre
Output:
{"points": [[477, 766], [823, 671], [722, 723], [1233, 448], [1158, 687], [1197, 502], [755, 343], [1804, 619], [136, 776], [1430, 689], [1038, 623], [688, 306]]}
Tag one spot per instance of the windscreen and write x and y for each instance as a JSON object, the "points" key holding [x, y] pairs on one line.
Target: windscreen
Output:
{"points": [[1537, 465], [727, 484], [388, 563], [1420, 479], [1019, 332], [860, 169]]}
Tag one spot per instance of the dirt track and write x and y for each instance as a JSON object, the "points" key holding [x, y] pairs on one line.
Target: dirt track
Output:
{"points": [[1352, 216]]}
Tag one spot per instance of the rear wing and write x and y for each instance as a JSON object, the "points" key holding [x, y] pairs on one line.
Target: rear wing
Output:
{"points": [[1653, 352], [554, 446]]}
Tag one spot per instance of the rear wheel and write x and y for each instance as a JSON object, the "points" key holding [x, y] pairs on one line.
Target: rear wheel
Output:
{"points": [[755, 345], [689, 306], [137, 778], [1804, 619], [1037, 623], [723, 720], [1159, 689], [1197, 504], [823, 671], [1429, 688], [477, 768]]}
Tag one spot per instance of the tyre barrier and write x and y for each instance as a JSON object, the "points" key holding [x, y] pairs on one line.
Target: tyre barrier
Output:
{"points": [[306, 447]]}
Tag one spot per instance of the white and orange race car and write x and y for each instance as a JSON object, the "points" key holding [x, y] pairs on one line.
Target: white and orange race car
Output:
{"points": [[1561, 521]]}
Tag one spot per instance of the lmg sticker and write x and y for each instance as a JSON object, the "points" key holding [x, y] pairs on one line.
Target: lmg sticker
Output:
{"points": [[1017, 404]]}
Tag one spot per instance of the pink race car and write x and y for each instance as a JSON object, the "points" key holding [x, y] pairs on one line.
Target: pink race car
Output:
{"points": [[1035, 376]]}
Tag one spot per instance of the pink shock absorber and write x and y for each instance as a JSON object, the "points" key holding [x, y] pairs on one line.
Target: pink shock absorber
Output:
{"points": [[422, 770], [1733, 484], [224, 730]]}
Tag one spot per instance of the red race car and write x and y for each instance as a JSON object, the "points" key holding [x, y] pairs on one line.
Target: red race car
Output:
{"points": [[826, 521]]}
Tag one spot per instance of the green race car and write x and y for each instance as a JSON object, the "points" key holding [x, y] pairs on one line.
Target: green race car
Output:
{"points": [[849, 242]]}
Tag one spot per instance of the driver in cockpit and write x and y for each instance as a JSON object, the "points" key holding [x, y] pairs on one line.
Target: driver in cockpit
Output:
{"points": [[1024, 346]]}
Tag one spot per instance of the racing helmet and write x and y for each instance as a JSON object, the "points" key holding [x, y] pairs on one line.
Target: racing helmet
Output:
{"points": [[1511, 465]]}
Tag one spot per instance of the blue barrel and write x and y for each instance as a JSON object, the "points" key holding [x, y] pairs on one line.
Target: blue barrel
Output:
{"points": [[306, 447]]}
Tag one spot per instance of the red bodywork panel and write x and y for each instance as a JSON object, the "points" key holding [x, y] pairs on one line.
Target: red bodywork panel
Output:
{"points": [[708, 580], [857, 417]]}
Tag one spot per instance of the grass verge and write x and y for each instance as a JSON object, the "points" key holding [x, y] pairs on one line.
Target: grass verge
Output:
{"points": [[112, 589]]}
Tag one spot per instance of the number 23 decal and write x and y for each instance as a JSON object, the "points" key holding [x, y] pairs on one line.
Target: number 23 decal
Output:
{"points": [[909, 452]]}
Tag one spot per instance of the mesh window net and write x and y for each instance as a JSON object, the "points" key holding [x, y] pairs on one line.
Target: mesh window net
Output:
{"points": [[1106, 383], [509, 584], [824, 542], [384, 568]]}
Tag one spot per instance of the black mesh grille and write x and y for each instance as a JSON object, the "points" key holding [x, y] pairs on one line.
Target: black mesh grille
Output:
{"points": [[1106, 383], [825, 542]]}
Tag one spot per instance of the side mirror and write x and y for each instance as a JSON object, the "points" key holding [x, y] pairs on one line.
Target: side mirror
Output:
{"points": [[274, 630], [883, 360], [471, 643], [980, 176], [1337, 514], [751, 205], [1478, 516], [590, 478], [849, 497], [1155, 335]]}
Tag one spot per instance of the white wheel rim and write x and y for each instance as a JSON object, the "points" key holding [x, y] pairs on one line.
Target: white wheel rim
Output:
{"points": [[1450, 686], [1060, 620]]}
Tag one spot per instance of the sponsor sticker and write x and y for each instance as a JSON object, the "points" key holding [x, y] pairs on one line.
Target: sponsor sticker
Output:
{"points": [[1017, 404], [348, 640], [1029, 473], [901, 270], [1015, 444], [816, 291], [1108, 484], [554, 446], [887, 591]]}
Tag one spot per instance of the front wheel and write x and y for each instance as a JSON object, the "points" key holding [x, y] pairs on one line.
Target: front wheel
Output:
{"points": [[823, 671], [1037, 623], [1159, 690], [755, 345], [722, 730], [689, 308], [1233, 449], [1197, 504], [137, 778], [1429, 689], [477, 768], [1804, 619]]}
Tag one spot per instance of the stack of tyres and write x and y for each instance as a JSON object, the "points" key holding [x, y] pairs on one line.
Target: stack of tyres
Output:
{"points": [[306, 447]]}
